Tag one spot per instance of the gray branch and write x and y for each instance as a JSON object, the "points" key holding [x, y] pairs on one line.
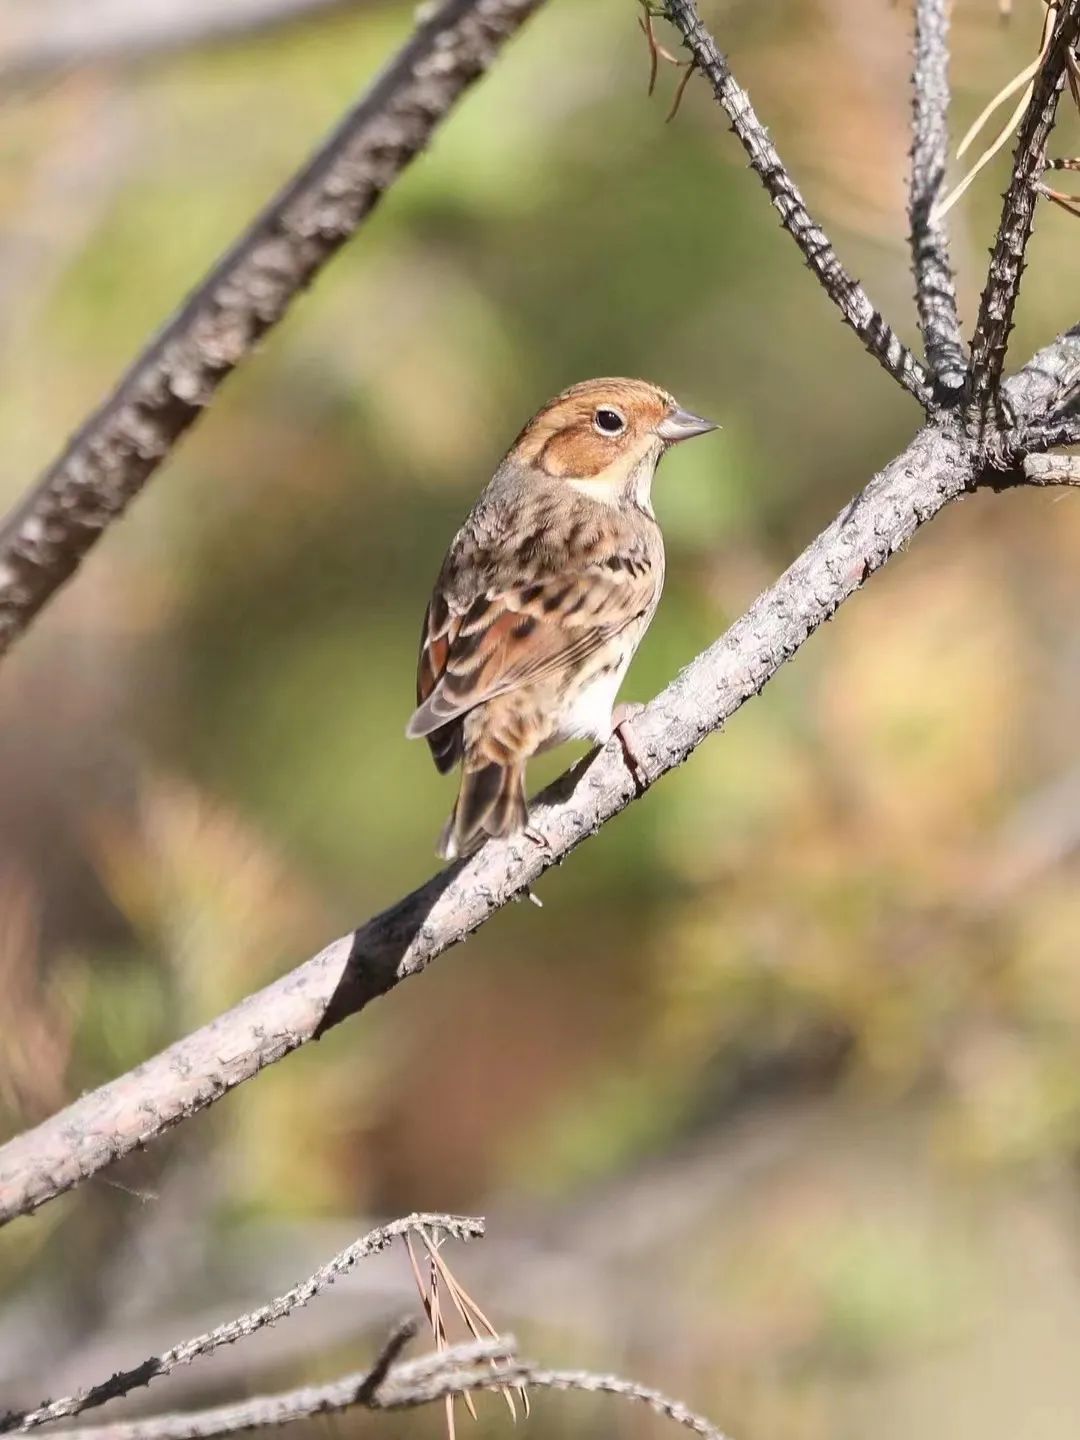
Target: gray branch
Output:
{"points": [[479, 1365], [51, 38], [938, 466], [1052, 469], [1051, 435], [998, 305], [112, 455], [935, 290], [156, 1366], [842, 289]]}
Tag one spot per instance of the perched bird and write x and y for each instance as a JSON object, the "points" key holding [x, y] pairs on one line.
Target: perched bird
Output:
{"points": [[544, 595]]}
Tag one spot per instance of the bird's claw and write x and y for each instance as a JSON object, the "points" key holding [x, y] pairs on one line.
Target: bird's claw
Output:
{"points": [[623, 731]]}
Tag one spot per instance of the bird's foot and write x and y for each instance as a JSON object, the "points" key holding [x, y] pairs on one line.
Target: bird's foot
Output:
{"points": [[621, 727]]}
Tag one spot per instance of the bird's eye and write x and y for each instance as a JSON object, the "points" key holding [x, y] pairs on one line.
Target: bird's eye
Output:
{"points": [[609, 421]]}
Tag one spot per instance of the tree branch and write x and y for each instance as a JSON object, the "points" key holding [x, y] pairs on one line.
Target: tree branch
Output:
{"points": [[842, 289], [478, 1365], [57, 37], [124, 1381], [937, 467], [1051, 435], [935, 291], [998, 305], [116, 450], [1052, 469]]}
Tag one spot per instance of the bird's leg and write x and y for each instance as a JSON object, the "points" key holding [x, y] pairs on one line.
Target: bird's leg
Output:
{"points": [[621, 718]]}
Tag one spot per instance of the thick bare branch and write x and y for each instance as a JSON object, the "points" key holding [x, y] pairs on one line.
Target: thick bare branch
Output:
{"points": [[115, 451], [998, 304], [46, 38], [842, 289], [935, 291], [479, 1365], [124, 1381], [1052, 469], [937, 467]]}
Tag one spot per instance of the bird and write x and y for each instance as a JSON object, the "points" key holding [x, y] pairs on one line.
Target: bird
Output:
{"points": [[543, 597]]}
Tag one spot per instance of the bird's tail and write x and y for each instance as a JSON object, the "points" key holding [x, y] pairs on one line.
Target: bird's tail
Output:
{"points": [[491, 802]]}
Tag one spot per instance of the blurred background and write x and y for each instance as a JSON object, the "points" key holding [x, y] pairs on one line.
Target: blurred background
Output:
{"points": [[776, 1103]]}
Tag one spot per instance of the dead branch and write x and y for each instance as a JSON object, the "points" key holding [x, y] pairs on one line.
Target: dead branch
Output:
{"points": [[478, 1365], [935, 290], [156, 1366], [843, 289], [998, 305], [939, 466], [115, 451]]}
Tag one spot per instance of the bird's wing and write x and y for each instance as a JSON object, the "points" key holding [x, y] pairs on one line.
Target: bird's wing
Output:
{"points": [[515, 635]]}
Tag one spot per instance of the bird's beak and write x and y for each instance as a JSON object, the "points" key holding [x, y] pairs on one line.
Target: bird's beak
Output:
{"points": [[683, 425]]}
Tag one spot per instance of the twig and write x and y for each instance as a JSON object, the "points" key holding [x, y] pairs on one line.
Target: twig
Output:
{"points": [[1017, 217], [116, 450], [842, 289], [124, 1381], [477, 1365], [935, 291], [937, 467], [1023, 82], [1037, 439]]}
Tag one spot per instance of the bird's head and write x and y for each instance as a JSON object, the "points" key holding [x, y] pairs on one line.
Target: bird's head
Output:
{"points": [[605, 437]]}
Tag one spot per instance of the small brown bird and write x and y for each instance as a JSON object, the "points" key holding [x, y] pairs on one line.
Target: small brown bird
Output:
{"points": [[544, 595]]}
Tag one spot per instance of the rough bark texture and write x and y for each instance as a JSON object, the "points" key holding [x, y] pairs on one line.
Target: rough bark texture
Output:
{"points": [[118, 448], [998, 306], [198, 1347], [935, 291], [937, 467]]}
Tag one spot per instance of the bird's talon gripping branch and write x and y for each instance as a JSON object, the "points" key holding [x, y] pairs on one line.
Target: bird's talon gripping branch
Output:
{"points": [[622, 729]]}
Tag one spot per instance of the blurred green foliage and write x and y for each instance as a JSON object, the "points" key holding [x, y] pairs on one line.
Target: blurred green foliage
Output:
{"points": [[845, 932]]}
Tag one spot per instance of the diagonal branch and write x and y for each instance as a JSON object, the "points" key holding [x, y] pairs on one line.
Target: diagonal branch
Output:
{"points": [[118, 448], [156, 1366], [478, 1365], [937, 467], [842, 289], [935, 291], [998, 304]]}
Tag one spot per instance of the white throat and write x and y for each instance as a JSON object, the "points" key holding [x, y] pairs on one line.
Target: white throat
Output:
{"points": [[635, 487]]}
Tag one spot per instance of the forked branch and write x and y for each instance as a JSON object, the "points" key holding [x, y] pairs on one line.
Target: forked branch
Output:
{"points": [[200, 1346], [842, 289], [460, 1370], [485, 1362]]}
